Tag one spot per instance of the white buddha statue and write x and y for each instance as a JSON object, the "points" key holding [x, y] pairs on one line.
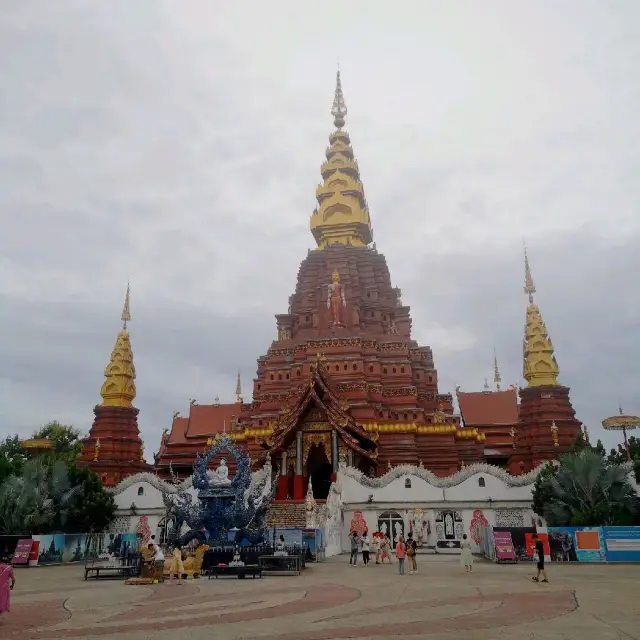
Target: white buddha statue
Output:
{"points": [[221, 474]]}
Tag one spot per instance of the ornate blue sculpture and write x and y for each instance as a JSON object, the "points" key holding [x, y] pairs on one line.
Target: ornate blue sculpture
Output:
{"points": [[225, 504]]}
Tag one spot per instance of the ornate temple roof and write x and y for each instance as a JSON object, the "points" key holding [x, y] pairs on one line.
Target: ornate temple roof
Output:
{"points": [[487, 408]]}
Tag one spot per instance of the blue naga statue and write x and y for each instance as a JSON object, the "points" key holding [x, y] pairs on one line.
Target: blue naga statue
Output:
{"points": [[224, 504]]}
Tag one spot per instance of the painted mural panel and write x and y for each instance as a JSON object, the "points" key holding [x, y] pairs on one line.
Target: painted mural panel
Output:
{"points": [[576, 544]]}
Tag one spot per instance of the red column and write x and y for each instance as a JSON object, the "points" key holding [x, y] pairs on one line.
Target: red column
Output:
{"points": [[298, 487]]}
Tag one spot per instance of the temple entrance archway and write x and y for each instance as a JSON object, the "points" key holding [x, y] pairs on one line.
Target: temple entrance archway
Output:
{"points": [[319, 471]]}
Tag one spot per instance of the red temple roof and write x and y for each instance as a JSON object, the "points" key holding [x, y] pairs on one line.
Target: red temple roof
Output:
{"points": [[204, 421], [485, 408]]}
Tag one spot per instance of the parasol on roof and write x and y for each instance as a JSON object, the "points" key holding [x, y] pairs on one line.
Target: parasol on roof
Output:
{"points": [[623, 423]]}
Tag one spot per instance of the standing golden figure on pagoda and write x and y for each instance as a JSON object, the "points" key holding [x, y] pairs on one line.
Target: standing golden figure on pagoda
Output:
{"points": [[336, 299]]}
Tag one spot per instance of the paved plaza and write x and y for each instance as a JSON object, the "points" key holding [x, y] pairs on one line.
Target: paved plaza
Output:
{"points": [[333, 600]]}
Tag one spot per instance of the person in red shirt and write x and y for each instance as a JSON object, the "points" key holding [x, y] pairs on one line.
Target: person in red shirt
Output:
{"points": [[401, 552]]}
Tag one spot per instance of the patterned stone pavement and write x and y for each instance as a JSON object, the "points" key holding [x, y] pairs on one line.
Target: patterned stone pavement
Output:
{"points": [[332, 601]]}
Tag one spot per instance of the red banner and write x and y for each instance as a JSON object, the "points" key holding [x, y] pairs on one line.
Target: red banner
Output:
{"points": [[22, 551]]}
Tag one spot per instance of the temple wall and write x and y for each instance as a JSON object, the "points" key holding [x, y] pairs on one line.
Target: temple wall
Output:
{"points": [[476, 496]]}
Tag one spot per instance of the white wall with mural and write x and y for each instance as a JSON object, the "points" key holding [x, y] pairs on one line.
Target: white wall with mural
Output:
{"points": [[438, 511]]}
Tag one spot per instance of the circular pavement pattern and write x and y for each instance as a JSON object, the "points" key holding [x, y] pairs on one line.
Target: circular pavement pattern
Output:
{"points": [[167, 607]]}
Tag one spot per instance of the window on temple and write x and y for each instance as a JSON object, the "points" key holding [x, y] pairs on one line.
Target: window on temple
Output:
{"points": [[258, 387], [140, 491], [287, 376], [481, 482], [406, 416], [430, 379], [394, 369], [384, 370], [298, 372], [355, 367], [279, 376], [407, 483], [345, 367], [337, 367], [370, 368], [401, 369], [272, 376]]}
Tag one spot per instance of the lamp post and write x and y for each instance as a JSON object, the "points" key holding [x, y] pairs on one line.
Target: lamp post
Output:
{"points": [[622, 423]]}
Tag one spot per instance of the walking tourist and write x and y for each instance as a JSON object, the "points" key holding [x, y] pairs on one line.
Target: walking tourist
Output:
{"points": [[365, 542], [7, 582], [386, 549], [375, 546], [400, 553], [176, 565], [353, 560], [466, 557], [540, 553], [412, 547]]}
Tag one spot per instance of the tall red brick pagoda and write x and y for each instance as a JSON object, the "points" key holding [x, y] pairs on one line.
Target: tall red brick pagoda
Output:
{"points": [[113, 448], [547, 422], [344, 379]]}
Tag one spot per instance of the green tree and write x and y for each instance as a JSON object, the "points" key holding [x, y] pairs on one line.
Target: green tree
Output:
{"points": [[92, 508], [12, 457], [585, 490], [581, 444], [33, 501], [67, 440], [542, 492]]}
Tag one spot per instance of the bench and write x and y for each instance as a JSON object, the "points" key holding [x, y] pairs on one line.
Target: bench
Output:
{"points": [[252, 570], [113, 570], [280, 564]]}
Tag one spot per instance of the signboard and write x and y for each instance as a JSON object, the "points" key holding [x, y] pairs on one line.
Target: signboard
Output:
{"points": [[576, 544], [22, 551], [504, 546], [622, 544], [531, 544]]}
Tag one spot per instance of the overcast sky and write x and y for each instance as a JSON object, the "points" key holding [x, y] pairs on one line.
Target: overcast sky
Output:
{"points": [[178, 145]]}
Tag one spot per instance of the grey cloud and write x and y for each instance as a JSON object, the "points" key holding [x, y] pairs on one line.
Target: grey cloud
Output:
{"points": [[180, 148]]}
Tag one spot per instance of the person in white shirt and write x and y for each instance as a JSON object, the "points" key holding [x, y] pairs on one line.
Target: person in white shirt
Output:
{"points": [[365, 547]]}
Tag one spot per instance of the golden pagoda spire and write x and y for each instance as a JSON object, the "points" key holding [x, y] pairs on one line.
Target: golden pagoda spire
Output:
{"points": [[496, 372], [539, 362], [342, 215], [119, 389]]}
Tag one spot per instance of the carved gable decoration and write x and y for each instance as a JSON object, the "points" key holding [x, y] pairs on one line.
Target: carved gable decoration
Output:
{"points": [[319, 399]]}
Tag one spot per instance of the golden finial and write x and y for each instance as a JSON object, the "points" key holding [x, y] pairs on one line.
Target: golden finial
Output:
{"points": [[539, 362], [126, 310], [238, 389], [342, 216], [339, 108], [486, 384], [496, 372], [119, 389], [529, 286]]}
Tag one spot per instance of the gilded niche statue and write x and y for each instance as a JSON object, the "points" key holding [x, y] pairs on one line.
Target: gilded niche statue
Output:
{"points": [[336, 299]]}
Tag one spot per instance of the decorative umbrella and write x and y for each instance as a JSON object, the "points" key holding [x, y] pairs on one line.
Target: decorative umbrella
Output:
{"points": [[622, 423]]}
